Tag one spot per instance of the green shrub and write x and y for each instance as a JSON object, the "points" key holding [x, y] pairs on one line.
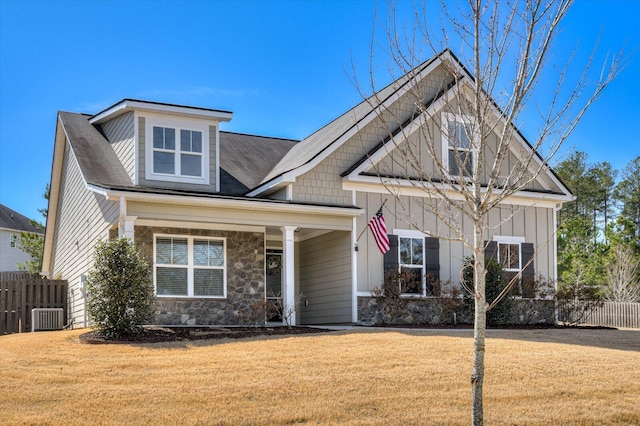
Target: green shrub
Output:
{"points": [[496, 280], [120, 290]]}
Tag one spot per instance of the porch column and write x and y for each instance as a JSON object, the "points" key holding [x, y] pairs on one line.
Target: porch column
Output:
{"points": [[125, 223], [126, 227], [288, 273]]}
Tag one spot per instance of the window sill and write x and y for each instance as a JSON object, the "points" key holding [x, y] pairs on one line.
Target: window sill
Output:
{"points": [[178, 179]]}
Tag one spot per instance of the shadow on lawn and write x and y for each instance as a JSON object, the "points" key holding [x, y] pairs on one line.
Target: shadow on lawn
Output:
{"points": [[607, 338]]}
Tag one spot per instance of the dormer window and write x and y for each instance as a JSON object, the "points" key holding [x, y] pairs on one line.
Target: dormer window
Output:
{"points": [[177, 150], [183, 159]]}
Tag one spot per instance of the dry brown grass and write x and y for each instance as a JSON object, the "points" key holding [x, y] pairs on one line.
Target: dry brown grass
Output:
{"points": [[349, 377]]}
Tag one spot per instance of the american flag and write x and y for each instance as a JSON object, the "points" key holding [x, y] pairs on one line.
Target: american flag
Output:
{"points": [[379, 230]]}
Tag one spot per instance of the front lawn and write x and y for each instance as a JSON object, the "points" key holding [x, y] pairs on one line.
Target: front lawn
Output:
{"points": [[359, 377]]}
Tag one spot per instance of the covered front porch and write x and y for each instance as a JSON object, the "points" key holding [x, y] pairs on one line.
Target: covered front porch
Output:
{"points": [[302, 255]]}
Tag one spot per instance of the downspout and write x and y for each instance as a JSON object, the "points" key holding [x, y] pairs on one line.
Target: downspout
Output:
{"points": [[555, 256]]}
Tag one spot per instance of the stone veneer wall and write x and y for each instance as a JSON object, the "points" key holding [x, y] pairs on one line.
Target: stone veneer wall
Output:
{"points": [[245, 280], [441, 310]]}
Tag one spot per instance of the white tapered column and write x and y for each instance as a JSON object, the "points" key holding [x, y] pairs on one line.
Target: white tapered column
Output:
{"points": [[288, 262]]}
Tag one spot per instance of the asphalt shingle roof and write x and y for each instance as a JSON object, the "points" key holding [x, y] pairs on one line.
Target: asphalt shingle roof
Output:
{"points": [[11, 219], [244, 159]]}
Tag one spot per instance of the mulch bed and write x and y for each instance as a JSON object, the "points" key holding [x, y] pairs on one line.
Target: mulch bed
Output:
{"points": [[184, 334]]}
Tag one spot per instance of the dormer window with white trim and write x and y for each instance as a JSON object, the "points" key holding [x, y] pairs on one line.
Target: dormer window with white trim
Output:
{"points": [[177, 150], [457, 149]]}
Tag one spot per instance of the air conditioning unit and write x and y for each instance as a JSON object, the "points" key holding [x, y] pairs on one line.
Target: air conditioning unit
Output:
{"points": [[47, 319]]}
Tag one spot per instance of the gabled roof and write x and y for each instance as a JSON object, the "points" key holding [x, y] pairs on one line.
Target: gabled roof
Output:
{"points": [[96, 158], [329, 137], [14, 221], [321, 143]]}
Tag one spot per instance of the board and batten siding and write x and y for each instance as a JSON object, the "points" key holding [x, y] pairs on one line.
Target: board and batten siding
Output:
{"points": [[535, 224], [211, 187], [83, 219], [120, 133], [325, 279]]}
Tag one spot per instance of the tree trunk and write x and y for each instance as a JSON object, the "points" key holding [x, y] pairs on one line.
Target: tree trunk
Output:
{"points": [[479, 328]]}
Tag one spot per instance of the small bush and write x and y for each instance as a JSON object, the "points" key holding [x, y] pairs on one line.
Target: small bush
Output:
{"points": [[120, 291], [496, 281], [391, 304]]}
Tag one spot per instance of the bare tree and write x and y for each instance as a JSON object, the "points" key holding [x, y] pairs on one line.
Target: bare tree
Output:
{"points": [[623, 276], [487, 161]]}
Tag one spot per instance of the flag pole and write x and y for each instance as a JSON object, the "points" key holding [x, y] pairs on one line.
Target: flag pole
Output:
{"points": [[366, 226]]}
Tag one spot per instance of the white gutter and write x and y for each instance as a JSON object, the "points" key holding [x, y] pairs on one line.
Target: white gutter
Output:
{"points": [[257, 204]]}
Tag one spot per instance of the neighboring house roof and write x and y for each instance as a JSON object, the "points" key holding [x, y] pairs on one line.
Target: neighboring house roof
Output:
{"points": [[14, 221]]}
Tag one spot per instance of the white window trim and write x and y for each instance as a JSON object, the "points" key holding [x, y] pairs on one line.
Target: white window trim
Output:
{"points": [[190, 266], [410, 233], [444, 129], [503, 239], [178, 124]]}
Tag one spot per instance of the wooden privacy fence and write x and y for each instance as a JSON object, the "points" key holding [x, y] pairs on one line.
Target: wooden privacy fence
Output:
{"points": [[604, 314], [21, 292]]}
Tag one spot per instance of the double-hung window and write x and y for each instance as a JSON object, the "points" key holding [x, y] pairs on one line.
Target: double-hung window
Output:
{"points": [[411, 264], [510, 257], [13, 240], [183, 159], [457, 145], [177, 150], [190, 266]]}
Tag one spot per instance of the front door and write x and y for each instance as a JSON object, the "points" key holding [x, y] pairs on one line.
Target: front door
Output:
{"points": [[274, 285]]}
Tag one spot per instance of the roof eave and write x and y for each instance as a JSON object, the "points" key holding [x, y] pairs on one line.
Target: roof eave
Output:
{"points": [[260, 204], [126, 105]]}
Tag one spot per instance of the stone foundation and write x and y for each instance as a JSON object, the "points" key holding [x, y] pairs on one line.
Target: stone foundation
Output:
{"points": [[245, 280], [439, 311]]}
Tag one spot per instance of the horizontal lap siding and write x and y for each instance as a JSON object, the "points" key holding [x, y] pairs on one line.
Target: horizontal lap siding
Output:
{"points": [[84, 218], [10, 256], [325, 279]]}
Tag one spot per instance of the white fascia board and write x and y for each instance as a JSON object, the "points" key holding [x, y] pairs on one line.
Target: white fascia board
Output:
{"points": [[290, 176], [272, 184], [131, 105], [405, 187], [60, 141], [258, 205], [13, 231]]}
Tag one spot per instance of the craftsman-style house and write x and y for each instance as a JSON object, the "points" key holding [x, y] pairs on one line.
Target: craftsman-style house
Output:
{"points": [[232, 219]]}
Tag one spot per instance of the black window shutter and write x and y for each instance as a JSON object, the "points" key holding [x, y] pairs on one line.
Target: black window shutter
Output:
{"points": [[490, 251], [432, 256], [528, 275], [390, 258]]}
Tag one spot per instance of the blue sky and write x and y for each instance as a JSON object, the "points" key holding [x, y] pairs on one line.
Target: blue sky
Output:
{"points": [[283, 67]]}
